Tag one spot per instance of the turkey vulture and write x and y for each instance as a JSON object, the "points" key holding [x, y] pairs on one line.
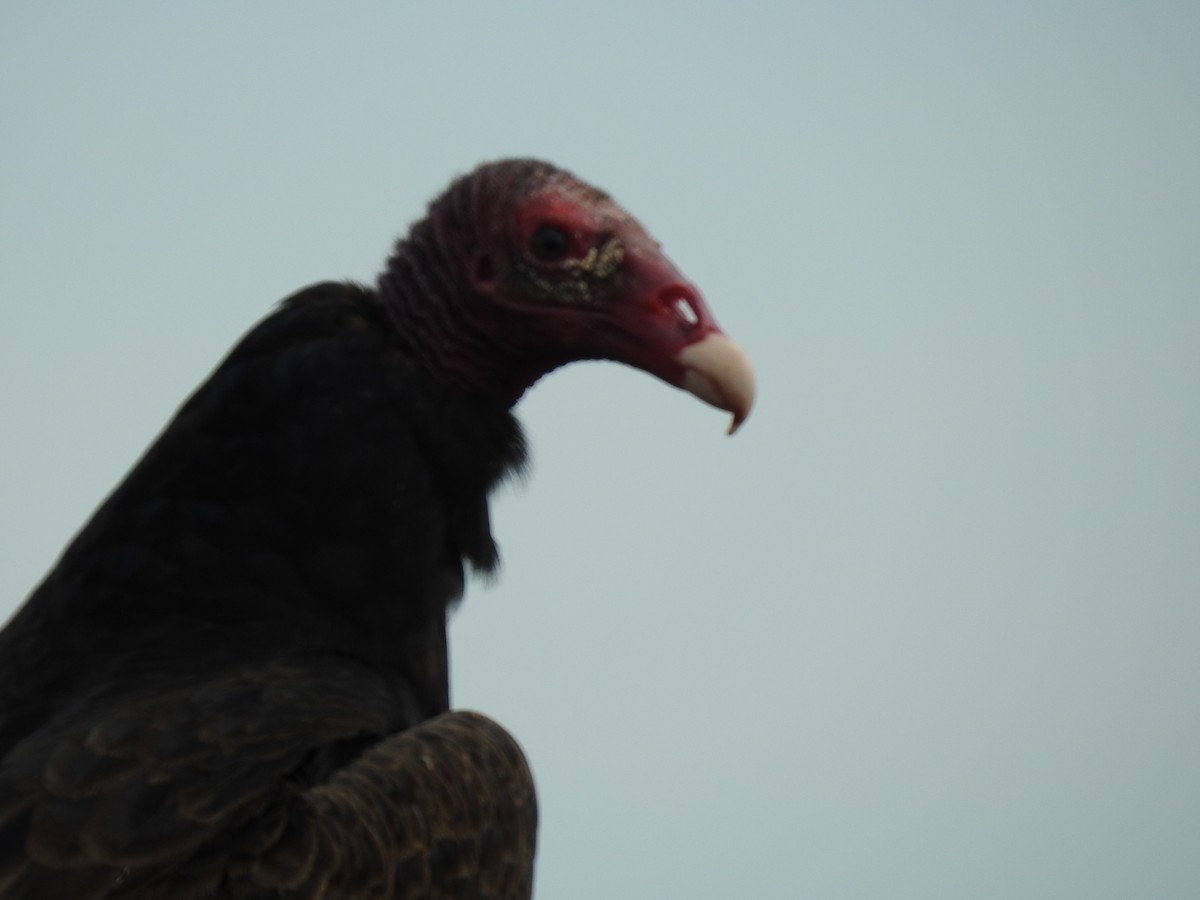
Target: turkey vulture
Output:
{"points": [[233, 683]]}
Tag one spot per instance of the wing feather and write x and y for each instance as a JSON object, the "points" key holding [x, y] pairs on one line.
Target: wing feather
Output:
{"points": [[212, 791]]}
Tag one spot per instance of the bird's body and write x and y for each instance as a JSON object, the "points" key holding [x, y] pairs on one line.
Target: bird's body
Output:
{"points": [[234, 682]]}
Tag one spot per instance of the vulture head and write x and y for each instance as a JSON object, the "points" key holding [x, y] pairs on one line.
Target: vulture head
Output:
{"points": [[519, 268]]}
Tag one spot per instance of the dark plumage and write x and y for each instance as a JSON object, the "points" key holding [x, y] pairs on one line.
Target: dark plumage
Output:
{"points": [[234, 681]]}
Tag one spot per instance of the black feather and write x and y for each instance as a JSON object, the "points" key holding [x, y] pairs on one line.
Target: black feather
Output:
{"points": [[314, 500]]}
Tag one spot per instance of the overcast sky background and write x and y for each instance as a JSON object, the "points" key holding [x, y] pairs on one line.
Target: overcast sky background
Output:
{"points": [[927, 627]]}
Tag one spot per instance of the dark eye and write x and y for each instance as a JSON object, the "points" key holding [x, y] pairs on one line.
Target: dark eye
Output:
{"points": [[550, 243]]}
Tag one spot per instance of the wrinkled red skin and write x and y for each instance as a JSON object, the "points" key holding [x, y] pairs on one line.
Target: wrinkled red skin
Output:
{"points": [[485, 313]]}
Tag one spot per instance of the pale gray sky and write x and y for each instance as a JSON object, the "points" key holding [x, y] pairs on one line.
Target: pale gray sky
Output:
{"points": [[927, 628]]}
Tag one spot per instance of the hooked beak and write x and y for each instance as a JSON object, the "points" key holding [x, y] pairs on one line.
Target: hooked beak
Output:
{"points": [[697, 355], [718, 371], [666, 329]]}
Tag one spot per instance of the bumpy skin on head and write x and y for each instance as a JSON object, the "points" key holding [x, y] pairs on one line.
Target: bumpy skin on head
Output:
{"points": [[234, 681], [543, 269]]}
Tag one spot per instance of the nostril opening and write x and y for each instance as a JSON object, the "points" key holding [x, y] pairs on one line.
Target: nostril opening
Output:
{"points": [[685, 311]]}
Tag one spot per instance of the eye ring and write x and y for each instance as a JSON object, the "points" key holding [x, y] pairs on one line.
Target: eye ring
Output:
{"points": [[550, 243]]}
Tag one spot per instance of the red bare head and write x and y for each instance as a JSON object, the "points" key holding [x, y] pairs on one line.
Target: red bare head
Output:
{"points": [[520, 268]]}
